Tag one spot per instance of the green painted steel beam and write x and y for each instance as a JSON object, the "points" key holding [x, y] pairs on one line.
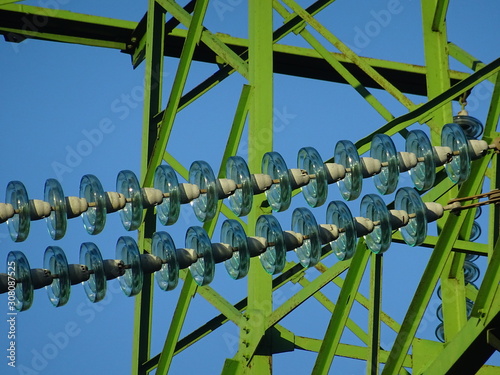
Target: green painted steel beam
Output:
{"points": [[423, 112], [438, 21], [436, 60], [337, 65], [374, 314], [466, 58], [342, 310], [431, 275], [143, 308], [167, 122], [366, 68], [305, 293]]}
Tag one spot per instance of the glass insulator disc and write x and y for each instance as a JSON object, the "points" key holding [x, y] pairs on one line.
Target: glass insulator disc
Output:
{"points": [[132, 280], [57, 221], [374, 208], [205, 206], [423, 174], [241, 201], [407, 199], [316, 191], [19, 224], [128, 185], [203, 269], [163, 247], [55, 261], [232, 233], [95, 286], [279, 195], [339, 215], [458, 169], [383, 149], [165, 180], [274, 258], [91, 190], [23, 296], [304, 222], [347, 155]]}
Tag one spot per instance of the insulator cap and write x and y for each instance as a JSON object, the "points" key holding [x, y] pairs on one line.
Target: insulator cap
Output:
{"points": [[442, 155], [433, 211], [75, 206], [293, 240], [261, 182], [188, 192], [334, 172], [221, 252], [78, 273], [6, 212], [478, 148], [256, 245], [225, 187], [40, 277], [150, 263], [407, 160], [113, 268], [151, 197], [299, 178], [399, 218], [186, 257], [114, 201], [39, 209], [328, 233], [363, 226], [370, 167]]}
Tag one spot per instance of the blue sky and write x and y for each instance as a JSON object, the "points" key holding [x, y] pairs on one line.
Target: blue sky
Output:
{"points": [[57, 99]]}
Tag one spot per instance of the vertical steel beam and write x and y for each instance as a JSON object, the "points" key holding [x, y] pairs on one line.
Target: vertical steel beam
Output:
{"points": [[143, 309], [374, 314], [260, 141]]}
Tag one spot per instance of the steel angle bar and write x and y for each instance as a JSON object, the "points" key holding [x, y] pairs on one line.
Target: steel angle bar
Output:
{"points": [[422, 112], [431, 275], [167, 122], [466, 58], [374, 314]]}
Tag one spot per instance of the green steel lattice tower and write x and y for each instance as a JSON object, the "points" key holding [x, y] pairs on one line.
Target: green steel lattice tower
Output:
{"points": [[177, 30]]}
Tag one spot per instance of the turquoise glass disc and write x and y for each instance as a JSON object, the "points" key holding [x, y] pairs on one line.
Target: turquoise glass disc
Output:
{"points": [[55, 261], [165, 180], [458, 169], [339, 215], [241, 201], [383, 149], [95, 286], [128, 185], [91, 190], [232, 233], [203, 269], [201, 174], [347, 155], [18, 263], [316, 191], [303, 222], [472, 127], [374, 208], [407, 199], [279, 195], [19, 224], [57, 221], [423, 174], [132, 280], [163, 247], [274, 258]]}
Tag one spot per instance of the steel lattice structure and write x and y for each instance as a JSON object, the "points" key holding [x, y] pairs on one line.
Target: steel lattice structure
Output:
{"points": [[172, 30]]}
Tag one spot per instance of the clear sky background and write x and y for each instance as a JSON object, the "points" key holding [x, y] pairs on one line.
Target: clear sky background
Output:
{"points": [[53, 95]]}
